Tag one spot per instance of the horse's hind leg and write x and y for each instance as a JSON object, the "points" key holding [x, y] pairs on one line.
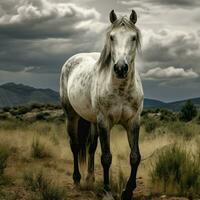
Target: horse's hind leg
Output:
{"points": [[72, 125], [92, 149]]}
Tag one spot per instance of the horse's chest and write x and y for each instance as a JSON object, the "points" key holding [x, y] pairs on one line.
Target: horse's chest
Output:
{"points": [[118, 110]]}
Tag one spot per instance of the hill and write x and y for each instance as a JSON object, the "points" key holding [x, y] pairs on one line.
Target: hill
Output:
{"points": [[12, 94]]}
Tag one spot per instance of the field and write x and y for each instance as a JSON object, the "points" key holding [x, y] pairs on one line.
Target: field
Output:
{"points": [[36, 161]]}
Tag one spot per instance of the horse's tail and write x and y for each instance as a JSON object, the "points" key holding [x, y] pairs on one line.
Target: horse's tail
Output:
{"points": [[84, 131]]}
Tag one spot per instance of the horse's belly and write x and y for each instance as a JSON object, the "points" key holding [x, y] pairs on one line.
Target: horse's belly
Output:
{"points": [[83, 109], [79, 97]]}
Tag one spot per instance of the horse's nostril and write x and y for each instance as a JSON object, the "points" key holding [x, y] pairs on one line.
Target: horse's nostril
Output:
{"points": [[115, 68], [125, 68]]}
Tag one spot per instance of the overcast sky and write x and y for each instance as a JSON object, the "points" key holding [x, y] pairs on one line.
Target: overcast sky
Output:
{"points": [[37, 36]]}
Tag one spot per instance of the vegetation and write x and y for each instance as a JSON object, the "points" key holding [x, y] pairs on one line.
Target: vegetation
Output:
{"points": [[43, 187], [150, 125], [188, 111], [34, 137], [178, 171], [39, 150], [4, 154]]}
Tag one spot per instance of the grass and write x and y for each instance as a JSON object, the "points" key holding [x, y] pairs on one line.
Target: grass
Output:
{"points": [[39, 150], [43, 144], [4, 154], [177, 171], [42, 187]]}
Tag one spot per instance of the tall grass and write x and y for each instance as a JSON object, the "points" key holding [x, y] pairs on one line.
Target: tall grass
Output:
{"points": [[177, 171], [42, 187], [39, 150], [4, 154]]}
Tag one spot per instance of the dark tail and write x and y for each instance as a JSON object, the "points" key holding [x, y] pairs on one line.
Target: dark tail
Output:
{"points": [[83, 136]]}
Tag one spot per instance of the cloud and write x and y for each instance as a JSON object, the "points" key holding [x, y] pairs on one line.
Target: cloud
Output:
{"points": [[171, 48], [169, 73], [44, 33], [170, 3], [44, 19]]}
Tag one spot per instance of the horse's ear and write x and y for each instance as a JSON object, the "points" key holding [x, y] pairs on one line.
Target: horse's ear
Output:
{"points": [[113, 16], [133, 17]]}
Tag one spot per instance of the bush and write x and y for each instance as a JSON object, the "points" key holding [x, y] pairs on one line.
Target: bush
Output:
{"points": [[39, 150], [23, 110], [150, 125], [43, 187], [188, 111], [3, 116], [42, 116], [166, 115], [175, 167], [4, 154], [198, 119], [6, 109], [36, 106]]}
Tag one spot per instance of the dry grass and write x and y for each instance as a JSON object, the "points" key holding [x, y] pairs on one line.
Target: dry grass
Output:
{"points": [[56, 158]]}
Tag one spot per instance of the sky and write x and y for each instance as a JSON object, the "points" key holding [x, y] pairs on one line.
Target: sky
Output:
{"points": [[38, 36]]}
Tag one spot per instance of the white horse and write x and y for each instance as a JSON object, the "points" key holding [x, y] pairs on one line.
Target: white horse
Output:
{"points": [[100, 90]]}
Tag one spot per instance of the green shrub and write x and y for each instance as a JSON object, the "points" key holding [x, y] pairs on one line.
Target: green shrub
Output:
{"points": [[188, 111], [36, 106], [198, 119], [6, 109], [166, 115], [4, 154], [23, 110], [150, 125], [3, 116], [42, 116], [43, 187], [173, 166], [39, 150]]}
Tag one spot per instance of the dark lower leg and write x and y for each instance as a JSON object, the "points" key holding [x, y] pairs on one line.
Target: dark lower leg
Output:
{"points": [[133, 137], [76, 173], [106, 160], [131, 184], [92, 149]]}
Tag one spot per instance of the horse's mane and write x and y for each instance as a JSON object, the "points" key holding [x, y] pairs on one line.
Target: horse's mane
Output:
{"points": [[105, 56]]}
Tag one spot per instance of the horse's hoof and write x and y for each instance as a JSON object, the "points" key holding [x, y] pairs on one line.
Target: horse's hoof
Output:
{"points": [[107, 196], [126, 196]]}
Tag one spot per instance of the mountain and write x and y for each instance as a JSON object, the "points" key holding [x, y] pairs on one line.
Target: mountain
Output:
{"points": [[152, 103], [12, 94], [177, 105]]}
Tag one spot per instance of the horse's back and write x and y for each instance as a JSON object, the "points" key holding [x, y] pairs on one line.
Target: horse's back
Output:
{"points": [[78, 69]]}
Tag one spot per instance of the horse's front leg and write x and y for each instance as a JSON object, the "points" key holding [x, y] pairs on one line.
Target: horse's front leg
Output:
{"points": [[133, 138], [106, 157]]}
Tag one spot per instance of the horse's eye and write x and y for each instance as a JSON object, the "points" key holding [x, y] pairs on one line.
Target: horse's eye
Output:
{"points": [[133, 38], [111, 38]]}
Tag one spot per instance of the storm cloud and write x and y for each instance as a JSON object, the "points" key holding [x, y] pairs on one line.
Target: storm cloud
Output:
{"points": [[37, 36]]}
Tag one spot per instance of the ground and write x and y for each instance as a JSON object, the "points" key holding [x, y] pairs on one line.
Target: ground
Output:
{"points": [[56, 163]]}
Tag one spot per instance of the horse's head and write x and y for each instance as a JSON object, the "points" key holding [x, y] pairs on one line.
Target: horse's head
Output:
{"points": [[123, 38]]}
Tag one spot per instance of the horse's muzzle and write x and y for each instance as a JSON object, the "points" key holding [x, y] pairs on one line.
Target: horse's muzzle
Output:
{"points": [[121, 69]]}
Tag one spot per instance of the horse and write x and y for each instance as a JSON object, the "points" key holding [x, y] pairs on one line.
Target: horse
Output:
{"points": [[99, 90]]}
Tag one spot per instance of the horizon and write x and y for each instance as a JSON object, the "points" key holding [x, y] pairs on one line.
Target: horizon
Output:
{"points": [[38, 36], [149, 98]]}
